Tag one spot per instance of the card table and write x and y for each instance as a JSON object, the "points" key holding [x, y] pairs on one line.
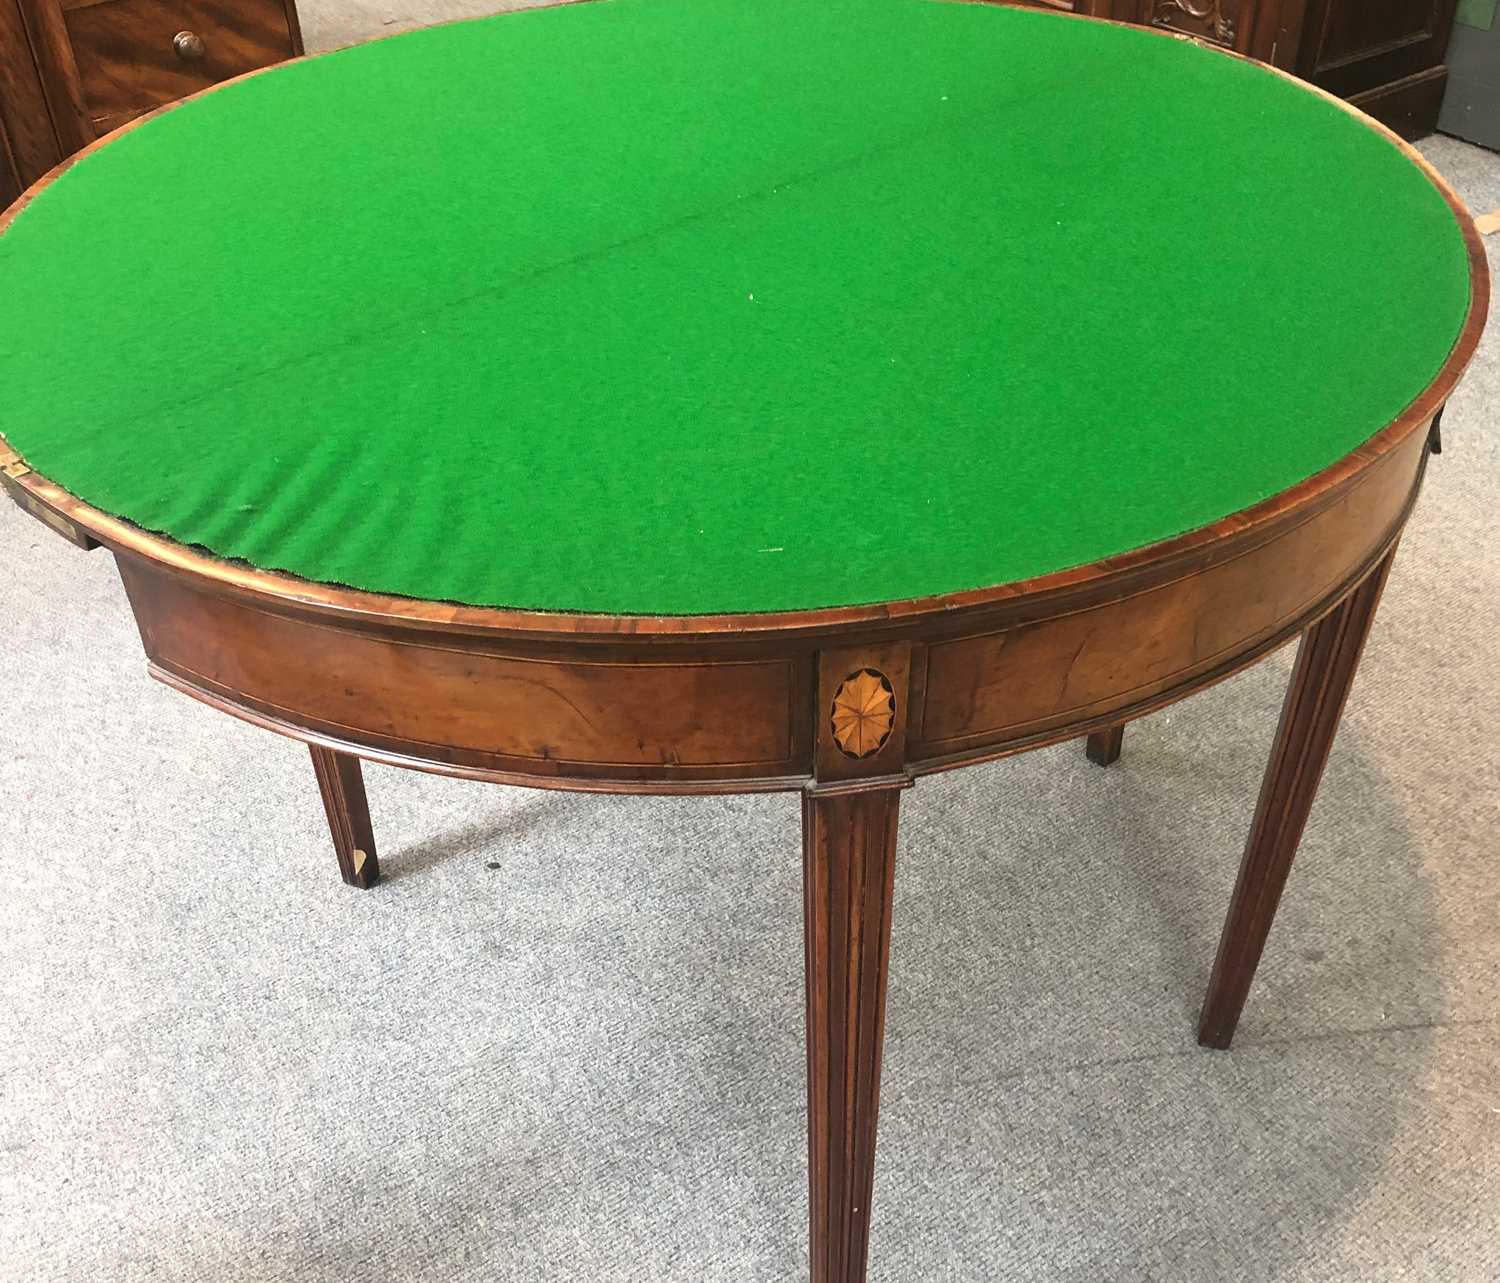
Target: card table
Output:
{"points": [[722, 395]]}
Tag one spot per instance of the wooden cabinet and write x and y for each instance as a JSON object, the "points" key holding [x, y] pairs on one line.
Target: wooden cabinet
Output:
{"points": [[28, 144], [71, 70], [1385, 56], [133, 55]]}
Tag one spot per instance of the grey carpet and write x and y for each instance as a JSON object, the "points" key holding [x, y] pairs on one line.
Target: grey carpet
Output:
{"points": [[563, 1040]]}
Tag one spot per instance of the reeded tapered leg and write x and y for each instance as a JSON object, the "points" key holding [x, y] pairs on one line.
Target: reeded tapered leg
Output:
{"points": [[1324, 672], [849, 867], [342, 785], [1103, 747]]}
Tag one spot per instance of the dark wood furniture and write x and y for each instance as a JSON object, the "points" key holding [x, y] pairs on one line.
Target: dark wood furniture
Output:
{"points": [[72, 70], [845, 706], [1385, 58]]}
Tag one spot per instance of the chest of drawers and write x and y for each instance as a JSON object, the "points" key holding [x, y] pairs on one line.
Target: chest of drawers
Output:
{"points": [[71, 70]]}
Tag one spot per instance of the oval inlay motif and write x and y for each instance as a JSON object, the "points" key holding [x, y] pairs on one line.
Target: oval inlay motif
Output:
{"points": [[864, 710]]}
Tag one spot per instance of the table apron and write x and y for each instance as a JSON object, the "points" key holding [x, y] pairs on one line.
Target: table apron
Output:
{"points": [[734, 714]]}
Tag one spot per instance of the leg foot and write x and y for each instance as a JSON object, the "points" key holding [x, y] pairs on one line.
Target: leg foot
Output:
{"points": [[1103, 747], [342, 785], [1315, 698], [849, 850]]}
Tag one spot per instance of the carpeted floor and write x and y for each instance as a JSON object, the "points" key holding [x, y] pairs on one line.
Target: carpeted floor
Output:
{"points": [[563, 1040]]}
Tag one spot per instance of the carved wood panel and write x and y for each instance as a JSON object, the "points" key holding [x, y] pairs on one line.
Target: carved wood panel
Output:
{"points": [[1218, 20]]}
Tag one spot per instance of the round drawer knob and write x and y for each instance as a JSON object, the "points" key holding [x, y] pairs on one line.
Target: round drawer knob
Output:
{"points": [[189, 45]]}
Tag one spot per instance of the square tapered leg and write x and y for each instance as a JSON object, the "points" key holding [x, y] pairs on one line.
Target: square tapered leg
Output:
{"points": [[1103, 747], [342, 785], [849, 866], [1320, 684]]}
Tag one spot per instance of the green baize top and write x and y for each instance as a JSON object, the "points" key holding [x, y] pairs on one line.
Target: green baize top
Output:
{"points": [[701, 306]]}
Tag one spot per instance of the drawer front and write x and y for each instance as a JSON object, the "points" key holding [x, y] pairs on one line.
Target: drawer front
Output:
{"points": [[135, 55]]}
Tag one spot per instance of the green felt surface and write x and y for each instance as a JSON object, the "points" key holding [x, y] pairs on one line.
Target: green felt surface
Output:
{"points": [[679, 306]]}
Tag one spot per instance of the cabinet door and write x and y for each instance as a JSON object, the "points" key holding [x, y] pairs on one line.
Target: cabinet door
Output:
{"points": [[28, 144], [1355, 45], [48, 37], [10, 180]]}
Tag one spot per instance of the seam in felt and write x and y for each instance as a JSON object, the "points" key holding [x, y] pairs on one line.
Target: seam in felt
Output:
{"points": [[973, 121]]}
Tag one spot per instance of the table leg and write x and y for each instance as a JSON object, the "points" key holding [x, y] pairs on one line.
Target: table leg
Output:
{"points": [[1103, 747], [1324, 672], [849, 866], [342, 785]]}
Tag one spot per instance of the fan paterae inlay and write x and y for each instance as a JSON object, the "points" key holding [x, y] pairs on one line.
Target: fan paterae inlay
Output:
{"points": [[864, 710]]}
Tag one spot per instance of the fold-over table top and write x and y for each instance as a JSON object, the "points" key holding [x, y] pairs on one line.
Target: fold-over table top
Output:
{"points": [[700, 306]]}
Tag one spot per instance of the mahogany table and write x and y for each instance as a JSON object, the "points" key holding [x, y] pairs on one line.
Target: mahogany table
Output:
{"points": [[820, 540]]}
